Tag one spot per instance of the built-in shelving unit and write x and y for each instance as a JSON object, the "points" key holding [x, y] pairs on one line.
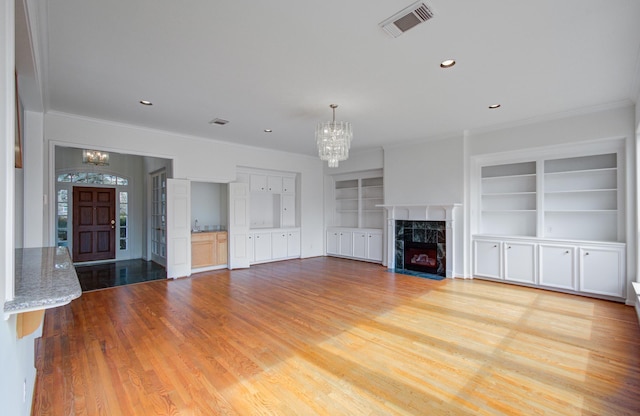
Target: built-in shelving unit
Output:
{"points": [[581, 197], [355, 228], [553, 218], [509, 199], [356, 203]]}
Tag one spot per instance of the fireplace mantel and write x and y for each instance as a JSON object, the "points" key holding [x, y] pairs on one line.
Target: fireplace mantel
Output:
{"points": [[422, 212]]}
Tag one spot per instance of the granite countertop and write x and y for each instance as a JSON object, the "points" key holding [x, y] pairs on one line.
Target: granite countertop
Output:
{"points": [[44, 278]]}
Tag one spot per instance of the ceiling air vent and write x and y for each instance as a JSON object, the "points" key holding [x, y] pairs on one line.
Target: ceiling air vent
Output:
{"points": [[219, 121], [404, 20]]}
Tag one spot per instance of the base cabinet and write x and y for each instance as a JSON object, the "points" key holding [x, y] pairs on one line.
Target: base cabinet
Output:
{"points": [[273, 245], [581, 267], [361, 244], [208, 249]]}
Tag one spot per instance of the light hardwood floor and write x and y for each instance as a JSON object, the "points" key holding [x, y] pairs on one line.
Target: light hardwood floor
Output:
{"points": [[336, 337]]}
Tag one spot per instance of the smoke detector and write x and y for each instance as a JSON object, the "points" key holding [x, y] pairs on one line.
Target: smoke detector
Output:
{"points": [[406, 19]]}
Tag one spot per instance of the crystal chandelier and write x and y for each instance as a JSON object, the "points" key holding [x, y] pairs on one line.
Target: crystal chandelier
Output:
{"points": [[334, 139]]}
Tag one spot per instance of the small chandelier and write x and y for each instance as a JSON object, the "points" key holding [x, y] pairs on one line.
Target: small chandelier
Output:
{"points": [[334, 139], [95, 157]]}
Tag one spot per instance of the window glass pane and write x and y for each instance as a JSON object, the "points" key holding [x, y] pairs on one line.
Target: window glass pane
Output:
{"points": [[62, 195], [123, 244], [63, 244], [62, 208], [123, 233], [62, 221], [122, 181], [123, 197], [80, 177], [62, 235], [66, 177]]}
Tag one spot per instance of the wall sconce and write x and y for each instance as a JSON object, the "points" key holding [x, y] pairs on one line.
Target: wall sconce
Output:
{"points": [[95, 157]]}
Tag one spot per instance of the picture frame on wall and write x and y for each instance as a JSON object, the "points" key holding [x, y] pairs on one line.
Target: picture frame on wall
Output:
{"points": [[18, 128]]}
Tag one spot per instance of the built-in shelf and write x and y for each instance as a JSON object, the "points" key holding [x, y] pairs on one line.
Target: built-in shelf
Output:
{"points": [[570, 197], [357, 198]]}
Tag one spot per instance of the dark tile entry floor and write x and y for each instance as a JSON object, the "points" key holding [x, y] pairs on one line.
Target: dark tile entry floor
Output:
{"points": [[118, 273]]}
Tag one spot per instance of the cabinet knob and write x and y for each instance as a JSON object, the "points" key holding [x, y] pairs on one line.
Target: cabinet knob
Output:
{"points": [[566, 252], [509, 247], [586, 254], [495, 245]]}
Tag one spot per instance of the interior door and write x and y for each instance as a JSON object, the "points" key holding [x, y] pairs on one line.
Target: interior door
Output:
{"points": [[94, 223], [239, 253], [178, 228]]}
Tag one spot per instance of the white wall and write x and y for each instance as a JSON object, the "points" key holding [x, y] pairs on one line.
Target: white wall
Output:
{"points": [[209, 204], [616, 122], [199, 159]]}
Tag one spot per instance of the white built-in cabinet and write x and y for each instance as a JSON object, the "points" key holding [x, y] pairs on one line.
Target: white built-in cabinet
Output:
{"points": [[361, 244], [273, 245], [356, 225], [273, 233], [554, 221], [581, 267]]}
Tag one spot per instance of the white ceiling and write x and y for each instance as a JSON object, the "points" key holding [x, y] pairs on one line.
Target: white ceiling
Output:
{"points": [[279, 64]]}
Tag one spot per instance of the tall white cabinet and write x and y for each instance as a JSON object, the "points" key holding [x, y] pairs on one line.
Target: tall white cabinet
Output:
{"points": [[274, 233], [356, 221], [553, 219]]}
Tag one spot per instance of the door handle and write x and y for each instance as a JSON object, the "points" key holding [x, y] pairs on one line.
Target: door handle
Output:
{"points": [[113, 222]]}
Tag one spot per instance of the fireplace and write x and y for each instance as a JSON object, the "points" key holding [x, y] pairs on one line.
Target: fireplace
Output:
{"points": [[432, 224], [421, 257], [421, 246]]}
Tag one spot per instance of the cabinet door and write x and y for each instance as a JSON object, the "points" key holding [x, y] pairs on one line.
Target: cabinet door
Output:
{"points": [[487, 258], [557, 266], [262, 246], [274, 184], [346, 243], [288, 185], [202, 250], [293, 244], [360, 245], [375, 246], [520, 264], [288, 211], [333, 242], [258, 182], [601, 271], [221, 248], [279, 245]]}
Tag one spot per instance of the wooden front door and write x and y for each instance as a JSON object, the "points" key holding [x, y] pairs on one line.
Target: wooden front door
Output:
{"points": [[94, 223]]}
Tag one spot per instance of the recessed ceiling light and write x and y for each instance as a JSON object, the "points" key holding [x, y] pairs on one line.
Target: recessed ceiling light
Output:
{"points": [[268, 130], [494, 106], [447, 63], [146, 102]]}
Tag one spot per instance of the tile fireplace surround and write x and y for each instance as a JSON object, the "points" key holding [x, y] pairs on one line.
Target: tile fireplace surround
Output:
{"points": [[427, 216]]}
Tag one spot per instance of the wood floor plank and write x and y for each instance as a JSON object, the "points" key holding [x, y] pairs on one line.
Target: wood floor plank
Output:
{"points": [[330, 336]]}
